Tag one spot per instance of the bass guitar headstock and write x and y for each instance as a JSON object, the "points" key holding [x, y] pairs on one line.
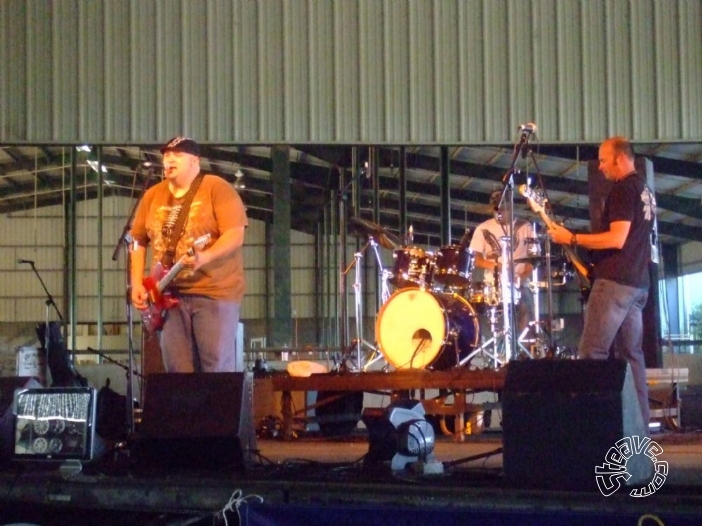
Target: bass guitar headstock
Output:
{"points": [[535, 197]]}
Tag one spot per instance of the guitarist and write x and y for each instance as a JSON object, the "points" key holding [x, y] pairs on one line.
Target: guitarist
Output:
{"points": [[199, 332], [621, 255]]}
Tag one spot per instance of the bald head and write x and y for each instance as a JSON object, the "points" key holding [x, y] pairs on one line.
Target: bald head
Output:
{"points": [[616, 158]]}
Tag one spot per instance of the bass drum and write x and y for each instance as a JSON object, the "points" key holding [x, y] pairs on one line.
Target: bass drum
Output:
{"points": [[418, 329]]}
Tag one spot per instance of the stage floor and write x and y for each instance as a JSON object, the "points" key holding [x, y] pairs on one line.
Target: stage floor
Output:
{"points": [[313, 472]]}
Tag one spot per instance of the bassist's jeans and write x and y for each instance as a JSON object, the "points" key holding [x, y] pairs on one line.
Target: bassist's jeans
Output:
{"points": [[199, 335], [613, 316]]}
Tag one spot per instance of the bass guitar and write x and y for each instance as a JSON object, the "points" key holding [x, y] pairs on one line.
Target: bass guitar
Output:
{"points": [[160, 299], [537, 202]]}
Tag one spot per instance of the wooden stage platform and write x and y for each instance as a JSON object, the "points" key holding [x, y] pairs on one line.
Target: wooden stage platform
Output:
{"points": [[454, 386]]}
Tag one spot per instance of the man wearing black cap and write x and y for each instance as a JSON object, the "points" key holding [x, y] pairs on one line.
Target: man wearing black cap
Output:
{"points": [[198, 221], [486, 249]]}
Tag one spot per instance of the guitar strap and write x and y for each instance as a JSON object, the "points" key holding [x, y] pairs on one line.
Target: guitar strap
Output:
{"points": [[179, 225]]}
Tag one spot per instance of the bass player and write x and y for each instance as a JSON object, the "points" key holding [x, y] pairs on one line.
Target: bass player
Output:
{"points": [[621, 252]]}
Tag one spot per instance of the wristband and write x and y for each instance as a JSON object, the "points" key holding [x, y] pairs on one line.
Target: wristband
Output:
{"points": [[574, 240]]}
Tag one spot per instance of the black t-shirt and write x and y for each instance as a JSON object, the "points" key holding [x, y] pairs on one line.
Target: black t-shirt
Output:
{"points": [[629, 200]]}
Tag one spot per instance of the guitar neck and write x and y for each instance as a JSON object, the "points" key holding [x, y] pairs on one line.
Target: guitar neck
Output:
{"points": [[165, 280], [570, 253]]}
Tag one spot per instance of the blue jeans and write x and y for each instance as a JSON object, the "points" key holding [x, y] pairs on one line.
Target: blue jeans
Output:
{"points": [[199, 335], [613, 316]]}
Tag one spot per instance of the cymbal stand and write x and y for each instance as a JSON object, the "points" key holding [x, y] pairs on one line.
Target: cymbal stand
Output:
{"points": [[490, 349], [507, 294], [359, 343], [540, 337]]}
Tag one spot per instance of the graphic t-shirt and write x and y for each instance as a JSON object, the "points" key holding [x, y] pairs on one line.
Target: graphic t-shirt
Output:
{"points": [[629, 200], [215, 208]]}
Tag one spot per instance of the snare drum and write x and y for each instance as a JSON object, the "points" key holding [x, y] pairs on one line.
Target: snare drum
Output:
{"points": [[452, 266], [419, 329], [412, 267]]}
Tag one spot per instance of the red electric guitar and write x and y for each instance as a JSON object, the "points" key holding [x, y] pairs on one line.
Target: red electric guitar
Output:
{"points": [[160, 299]]}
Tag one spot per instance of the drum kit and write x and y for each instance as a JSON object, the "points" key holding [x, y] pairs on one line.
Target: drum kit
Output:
{"points": [[432, 319]]}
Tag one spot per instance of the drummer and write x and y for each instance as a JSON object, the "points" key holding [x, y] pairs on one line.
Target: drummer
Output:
{"points": [[485, 246]]}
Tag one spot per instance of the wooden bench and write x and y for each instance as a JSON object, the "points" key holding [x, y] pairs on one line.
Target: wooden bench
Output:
{"points": [[457, 382]]}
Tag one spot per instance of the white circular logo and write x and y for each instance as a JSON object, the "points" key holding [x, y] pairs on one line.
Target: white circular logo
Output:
{"points": [[609, 476]]}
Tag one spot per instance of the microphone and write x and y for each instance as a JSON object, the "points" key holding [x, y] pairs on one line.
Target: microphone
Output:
{"points": [[527, 128], [25, 261]]}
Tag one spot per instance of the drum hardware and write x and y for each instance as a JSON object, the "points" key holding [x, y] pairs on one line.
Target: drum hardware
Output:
{"points": [[359, 344], [492, 351], [384, 237]]}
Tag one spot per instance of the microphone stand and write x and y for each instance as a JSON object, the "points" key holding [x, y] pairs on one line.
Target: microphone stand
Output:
{"points": [[113, 361], [508, 194], [48, 302], [125, 241]]}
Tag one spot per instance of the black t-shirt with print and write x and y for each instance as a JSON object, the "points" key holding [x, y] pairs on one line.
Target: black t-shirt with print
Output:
{"points": [[629, 200]]}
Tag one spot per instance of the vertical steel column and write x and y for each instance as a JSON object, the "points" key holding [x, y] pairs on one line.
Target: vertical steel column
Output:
{"points": [[328, 271], [69, 272], [282, 329], [99, 226], [318, 284], [371, 262], [343, 214], [402, 190], [334, 254], [445, 168]]}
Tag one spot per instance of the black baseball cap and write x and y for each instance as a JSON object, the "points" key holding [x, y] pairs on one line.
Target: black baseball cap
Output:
{"points": [[182, 144]]}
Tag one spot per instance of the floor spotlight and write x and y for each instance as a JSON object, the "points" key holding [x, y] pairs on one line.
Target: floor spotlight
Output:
{"points": [[399, 433]]}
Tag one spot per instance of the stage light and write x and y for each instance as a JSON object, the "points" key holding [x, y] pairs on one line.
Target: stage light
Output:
{"points": [[55, 424], [400, 433]]}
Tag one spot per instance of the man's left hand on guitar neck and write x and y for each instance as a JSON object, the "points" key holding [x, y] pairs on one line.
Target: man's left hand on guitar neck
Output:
{"points": [[560, 234], [227, 243]]}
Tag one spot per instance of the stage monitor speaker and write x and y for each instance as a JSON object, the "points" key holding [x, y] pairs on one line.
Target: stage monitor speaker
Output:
{"points": [[197, 420], [8, 386], [561, 417]]}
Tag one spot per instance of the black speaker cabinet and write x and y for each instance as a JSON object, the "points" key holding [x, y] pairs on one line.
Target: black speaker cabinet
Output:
{"points": [[197, 420], [561, 417]]}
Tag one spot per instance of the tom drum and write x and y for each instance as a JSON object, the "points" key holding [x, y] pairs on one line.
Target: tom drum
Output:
{"points": [[452, 266], [412, 266]]}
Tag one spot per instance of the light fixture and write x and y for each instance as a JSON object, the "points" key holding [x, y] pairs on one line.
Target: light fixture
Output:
{"points": [[400, 433], [239, 183]]}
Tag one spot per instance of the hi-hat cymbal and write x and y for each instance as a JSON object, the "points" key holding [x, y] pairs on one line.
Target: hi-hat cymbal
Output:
{"points": [[385, 238]]}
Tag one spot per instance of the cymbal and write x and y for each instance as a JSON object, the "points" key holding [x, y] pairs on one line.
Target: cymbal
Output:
{"points": [[385, 238]]}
